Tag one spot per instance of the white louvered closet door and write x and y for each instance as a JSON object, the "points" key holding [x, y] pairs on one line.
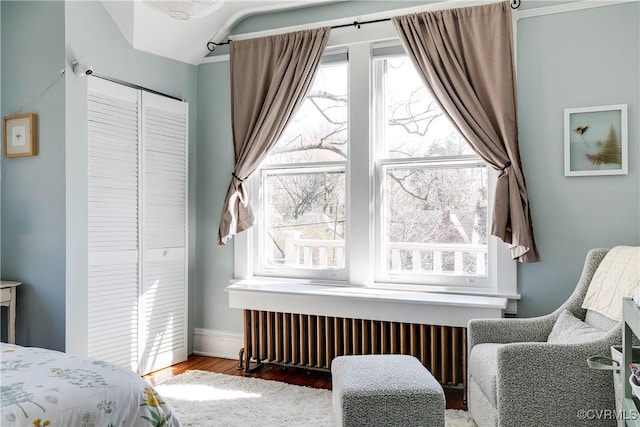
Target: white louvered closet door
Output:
{"points": [[137, 203], [113, 206], [164, 231]]}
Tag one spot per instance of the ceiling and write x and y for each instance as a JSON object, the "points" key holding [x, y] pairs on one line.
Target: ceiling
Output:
{"points": [[151, 31]]}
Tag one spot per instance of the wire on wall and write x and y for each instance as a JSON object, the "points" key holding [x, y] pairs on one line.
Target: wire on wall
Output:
{"points": [[212, 45], [39, 94]]}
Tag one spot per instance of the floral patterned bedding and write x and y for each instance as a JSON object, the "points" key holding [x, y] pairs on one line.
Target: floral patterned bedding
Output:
{"points": [[42, 387]]}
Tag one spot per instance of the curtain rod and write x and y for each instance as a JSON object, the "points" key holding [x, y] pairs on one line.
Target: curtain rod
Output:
{"points": [[134, 86], [212, 45]]}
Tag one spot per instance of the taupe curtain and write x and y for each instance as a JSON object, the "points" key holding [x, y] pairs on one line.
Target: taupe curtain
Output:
{"points": [[465, 57], [270, 77]]}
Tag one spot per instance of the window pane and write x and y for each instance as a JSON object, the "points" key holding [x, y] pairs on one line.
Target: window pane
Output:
{"points": [[413, 123], [435, 220], [318, 131], [304, 220]]}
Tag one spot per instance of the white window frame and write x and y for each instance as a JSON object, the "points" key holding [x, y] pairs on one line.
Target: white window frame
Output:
{"points": [[382, 274], [360, 220], [260, 268]]}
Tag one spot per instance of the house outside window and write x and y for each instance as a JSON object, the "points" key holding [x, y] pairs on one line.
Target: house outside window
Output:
{"points": [[371, 184]]}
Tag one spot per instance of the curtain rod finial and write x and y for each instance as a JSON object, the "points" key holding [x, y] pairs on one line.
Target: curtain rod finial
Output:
{"points": [[212, 45], [515, 4]]}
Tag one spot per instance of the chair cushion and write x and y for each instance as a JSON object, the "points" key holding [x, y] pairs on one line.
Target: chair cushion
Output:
{"points": [[616, 277], [570, 330], [483, 366]]}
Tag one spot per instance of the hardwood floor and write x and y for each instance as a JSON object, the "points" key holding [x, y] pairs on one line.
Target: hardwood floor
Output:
{"points": [[297, 376]]}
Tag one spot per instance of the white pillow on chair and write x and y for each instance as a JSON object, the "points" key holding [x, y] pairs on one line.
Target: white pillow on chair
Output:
{"points": [[568, 329]]}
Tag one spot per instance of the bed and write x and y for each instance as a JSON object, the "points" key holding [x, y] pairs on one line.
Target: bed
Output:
{"points": [[42, 387]]}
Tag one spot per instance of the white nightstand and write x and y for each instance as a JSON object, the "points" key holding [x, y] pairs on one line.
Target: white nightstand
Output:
{"points": [[8, 299]]}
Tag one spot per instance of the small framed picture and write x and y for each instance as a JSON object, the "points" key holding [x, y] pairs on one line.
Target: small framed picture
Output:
{"points": [[19, 135], [595, 141]]}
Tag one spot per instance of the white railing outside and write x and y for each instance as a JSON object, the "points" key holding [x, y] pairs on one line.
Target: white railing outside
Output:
{"points": [[315, 253], [319, 253], [416, 252]]}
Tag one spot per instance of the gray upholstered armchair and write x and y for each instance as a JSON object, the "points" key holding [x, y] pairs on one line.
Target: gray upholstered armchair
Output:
{"points": [[517, 378]]}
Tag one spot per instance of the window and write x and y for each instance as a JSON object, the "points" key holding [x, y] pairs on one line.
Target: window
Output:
{"points": [[432, 214], [303, 198], [371, 184]]}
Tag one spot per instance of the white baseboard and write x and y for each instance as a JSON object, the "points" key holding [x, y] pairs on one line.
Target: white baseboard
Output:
{"points": [[208, 342]]}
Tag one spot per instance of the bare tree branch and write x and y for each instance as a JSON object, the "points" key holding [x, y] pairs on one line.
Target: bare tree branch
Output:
{"points": [[412, 123], [318, 146], [400, 182], [327, 95], [323, 112]]}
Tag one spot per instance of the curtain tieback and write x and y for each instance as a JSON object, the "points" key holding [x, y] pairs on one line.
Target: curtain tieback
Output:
{"points": [[237, 177], [506, 165]]}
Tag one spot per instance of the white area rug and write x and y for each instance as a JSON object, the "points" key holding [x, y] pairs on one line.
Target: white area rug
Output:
{"points": [[207, 399]]}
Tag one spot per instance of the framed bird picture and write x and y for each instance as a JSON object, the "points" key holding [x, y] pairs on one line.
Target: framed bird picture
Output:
{"points": [[595, 141]]}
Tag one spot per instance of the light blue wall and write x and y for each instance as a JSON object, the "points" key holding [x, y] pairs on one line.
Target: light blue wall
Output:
{"points": [[33, 188], [215, 164], [571, 59], [577, 59], [92, 35]]}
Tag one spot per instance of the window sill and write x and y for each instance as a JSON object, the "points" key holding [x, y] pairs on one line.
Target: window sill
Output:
{"points": [[364, 302]]}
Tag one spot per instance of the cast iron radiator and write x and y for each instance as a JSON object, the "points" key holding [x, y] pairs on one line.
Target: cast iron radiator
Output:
{"points": [[313, 341]]}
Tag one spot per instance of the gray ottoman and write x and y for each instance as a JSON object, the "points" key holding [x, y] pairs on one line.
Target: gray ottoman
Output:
{"points": [[385, 390]]}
